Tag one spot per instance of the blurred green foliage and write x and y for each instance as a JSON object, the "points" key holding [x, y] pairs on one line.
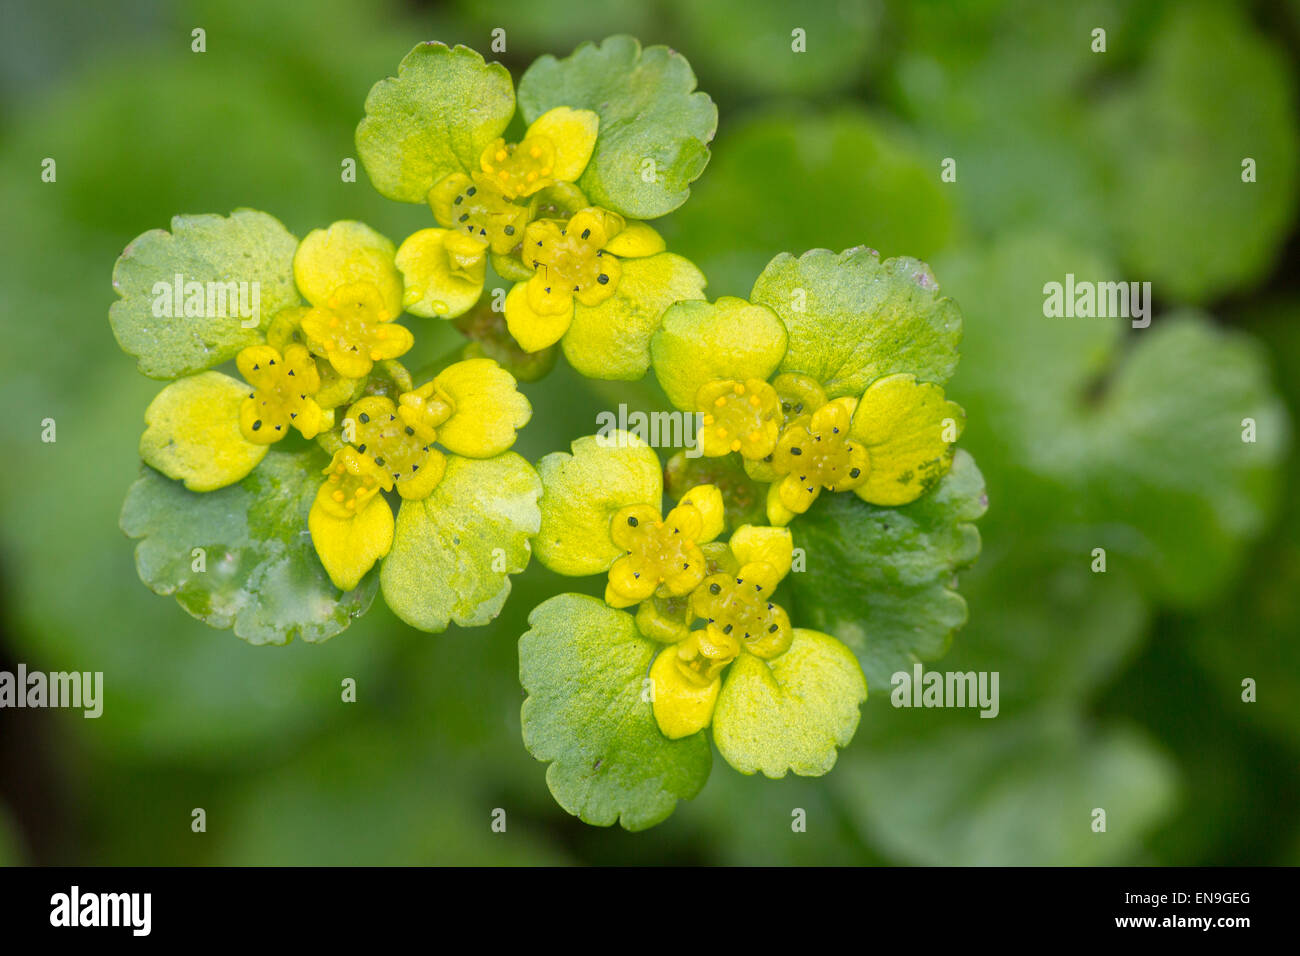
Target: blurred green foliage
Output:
{"points": [[1119, 690]]}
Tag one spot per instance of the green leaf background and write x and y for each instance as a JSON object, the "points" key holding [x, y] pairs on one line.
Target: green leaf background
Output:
{"points": [[1126, 686]]}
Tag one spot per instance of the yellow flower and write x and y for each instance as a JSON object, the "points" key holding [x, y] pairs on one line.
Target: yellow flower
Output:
{"points": [[573, 262], [734, 604], [284, 389], [738, 417], [480, 211], [347, 273], [815, 452], [471, 408], [663, 553]]}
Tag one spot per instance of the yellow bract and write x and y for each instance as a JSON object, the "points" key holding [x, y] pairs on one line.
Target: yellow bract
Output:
{"points": [[908, 429], [738, 417], [348, 253], [444, 272], [685, 692], [487, 408], [284, 389], [192, 432], [349, 546]]}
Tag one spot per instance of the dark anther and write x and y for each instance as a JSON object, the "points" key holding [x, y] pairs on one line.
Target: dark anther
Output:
{"points": [[855, 472], [471, 191], [379, 462], [509, 230], [715, 588], [796, 450], [290, 371], [463, 217], [727, 629], [586, 233], [602, 278], [365, 419], [362, 449], [632, 521], [458, 200], [257, 425], [410, 430], [772, 629]]}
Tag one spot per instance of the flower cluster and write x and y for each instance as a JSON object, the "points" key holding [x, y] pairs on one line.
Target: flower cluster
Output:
{"points": [[328, 470]]}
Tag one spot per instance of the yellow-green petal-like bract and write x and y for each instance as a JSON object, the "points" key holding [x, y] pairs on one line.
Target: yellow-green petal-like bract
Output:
{"points": [[636, 241], [349, 547], [192, 432], [612, 340], [582, 492], [573, 133], [792, 712], [489, 409], [533, 330], [775, 546], [454, 551], [681, 706], [443, 272], [345, 253], [908, 429], [702, 342]]}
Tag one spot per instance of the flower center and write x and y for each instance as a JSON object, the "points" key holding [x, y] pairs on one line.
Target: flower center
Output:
{"points": [[283, 386], [387, 441], [355, 321], [662, 555], [520, 169], [739, 608], [569, 262], [816, 449], [739, 417], [476, 207]]}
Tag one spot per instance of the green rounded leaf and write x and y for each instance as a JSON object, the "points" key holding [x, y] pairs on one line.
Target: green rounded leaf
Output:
{"points": [[881, 579], [208, 253], [654, 127], [582, 493], [583, 665], [454, 551], [612, 340], [853, 318], [792, 712], [257, 570], [702, 342], [434, 118]]}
